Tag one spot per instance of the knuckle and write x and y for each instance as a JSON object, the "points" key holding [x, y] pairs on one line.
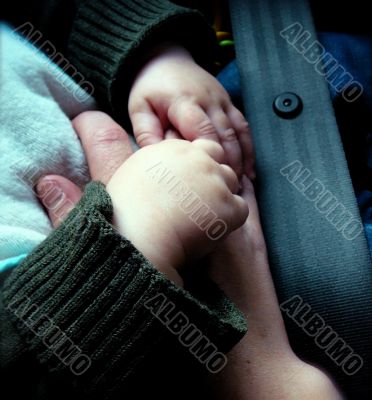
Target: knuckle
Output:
{"points": [[244, 127], [221, 151], [229, 135], [206, 128], [240, 211], [142, 137], [243, 208], [206, 167], [210, 170], [183, 105], [107, 136], [82, 117], [134, 106], [217, 147], [212, 147], [223, 194], [229, 171]]}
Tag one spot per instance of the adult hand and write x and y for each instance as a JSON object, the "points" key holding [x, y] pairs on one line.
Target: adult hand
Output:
{"points": [[106, 146]]}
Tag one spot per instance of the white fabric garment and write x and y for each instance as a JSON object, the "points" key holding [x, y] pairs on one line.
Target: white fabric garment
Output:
{"points": [[37, 102]]}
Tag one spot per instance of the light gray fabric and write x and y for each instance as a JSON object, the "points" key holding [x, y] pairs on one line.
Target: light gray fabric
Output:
{"points": [[37, 102]]}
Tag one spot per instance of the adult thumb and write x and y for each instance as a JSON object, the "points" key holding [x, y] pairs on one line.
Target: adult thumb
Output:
{"points": [[58, 195]]}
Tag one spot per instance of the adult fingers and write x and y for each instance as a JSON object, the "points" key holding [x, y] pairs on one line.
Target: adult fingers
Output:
{"points": [[146, 125], [106, 144], [228, 139], [248, 195], [244, 136], [253, 223], [58, 195]]}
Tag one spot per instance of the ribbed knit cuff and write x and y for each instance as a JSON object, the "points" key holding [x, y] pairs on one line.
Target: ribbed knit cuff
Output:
{"points": [[82, 301], [110, 40]]}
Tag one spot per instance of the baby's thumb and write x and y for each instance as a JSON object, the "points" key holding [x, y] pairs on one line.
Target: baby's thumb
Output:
{"points": [[58, 195]]}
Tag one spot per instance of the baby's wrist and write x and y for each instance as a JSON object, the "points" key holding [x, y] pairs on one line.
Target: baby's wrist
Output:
{"points": [[165, 262], [168, 51], [166, 259], [173, 49], [171, 273], [165, 255]]}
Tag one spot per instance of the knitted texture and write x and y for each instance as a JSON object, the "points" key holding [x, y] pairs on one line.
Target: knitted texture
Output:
{"points": [[93, 284], [111, 39]]}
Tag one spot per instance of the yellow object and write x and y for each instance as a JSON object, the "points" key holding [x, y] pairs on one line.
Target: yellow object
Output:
{"points": [[223, 35]]}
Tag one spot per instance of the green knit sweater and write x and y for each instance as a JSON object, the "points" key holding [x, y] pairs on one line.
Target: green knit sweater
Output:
{"points": [[86, 314]]}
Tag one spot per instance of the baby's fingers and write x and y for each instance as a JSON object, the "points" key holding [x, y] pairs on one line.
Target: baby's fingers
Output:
{"points": [[146, 125], [191, 121]]}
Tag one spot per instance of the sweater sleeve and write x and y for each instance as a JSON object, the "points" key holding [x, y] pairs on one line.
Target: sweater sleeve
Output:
{"points": [[111, 38], [88, 307]]}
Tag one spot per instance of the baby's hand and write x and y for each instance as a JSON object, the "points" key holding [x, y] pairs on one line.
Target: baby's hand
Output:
{"points": [[171, 93], [174, 201]]}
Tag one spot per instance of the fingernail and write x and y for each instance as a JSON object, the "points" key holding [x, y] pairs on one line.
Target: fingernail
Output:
{"points": [[251, 171], [44, 187], [50, 194]]}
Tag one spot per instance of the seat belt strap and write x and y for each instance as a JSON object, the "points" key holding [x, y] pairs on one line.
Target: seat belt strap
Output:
{"points": [[318, 252]]}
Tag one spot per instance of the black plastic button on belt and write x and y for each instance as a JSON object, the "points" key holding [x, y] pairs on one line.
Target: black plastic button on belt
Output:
{"points": [[287, 105]]}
